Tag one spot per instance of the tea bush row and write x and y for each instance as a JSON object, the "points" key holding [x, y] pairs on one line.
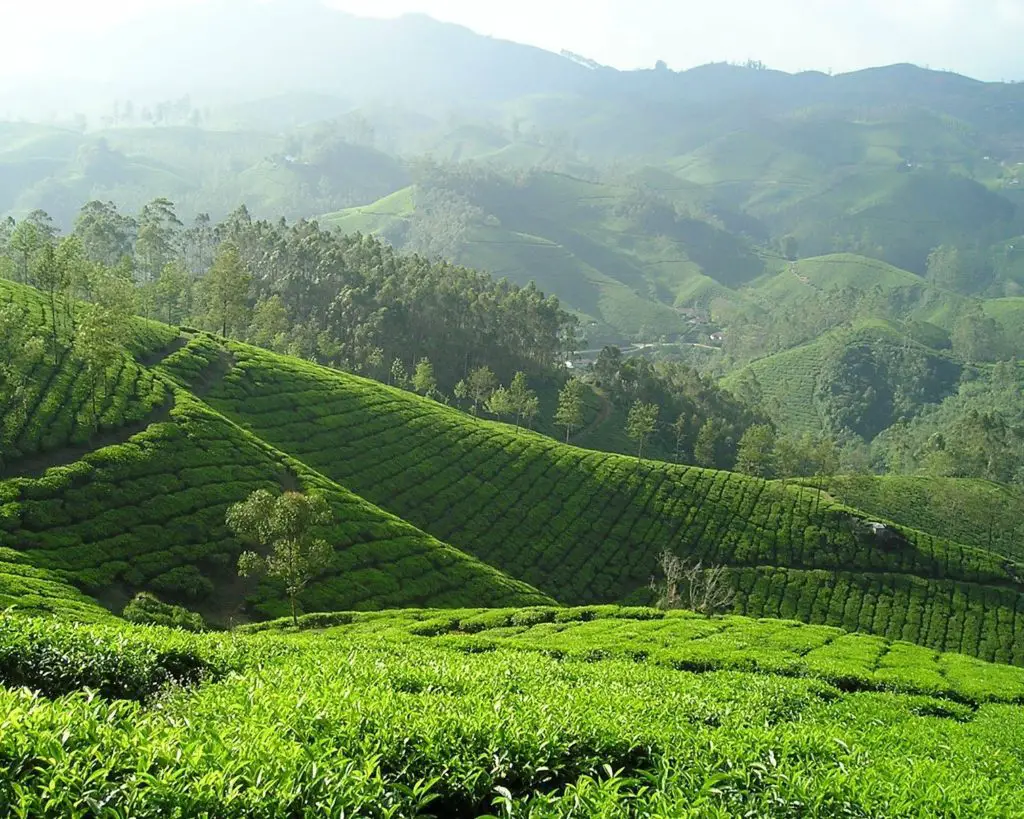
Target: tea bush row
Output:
{"points": [[388, 724]]}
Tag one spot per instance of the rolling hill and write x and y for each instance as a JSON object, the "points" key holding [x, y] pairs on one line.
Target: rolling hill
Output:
{"points": [[436, 507]]}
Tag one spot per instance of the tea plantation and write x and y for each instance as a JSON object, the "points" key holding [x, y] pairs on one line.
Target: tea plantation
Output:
{"points": [[528, 713], [587, 526], [433, 507]]}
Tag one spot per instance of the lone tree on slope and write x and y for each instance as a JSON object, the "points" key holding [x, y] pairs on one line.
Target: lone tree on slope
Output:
{"points": [[640, 424], [283, 525], [570, 406]]}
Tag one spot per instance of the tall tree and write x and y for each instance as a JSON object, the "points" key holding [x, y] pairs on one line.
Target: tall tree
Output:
{"points": [[158, 238], [52, 278], [285, 526], [501, 404], [171, 292], [103, 331], [27, 240], [641, 423], [398, 376], [423, 380], [705, 448], [569, 413], [480, 385], [226, 288], [270, 325], [525, 404], [756, 450], [106, 235]]}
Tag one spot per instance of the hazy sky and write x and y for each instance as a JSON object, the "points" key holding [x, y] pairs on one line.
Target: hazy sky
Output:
{"points": [[981, 38]]}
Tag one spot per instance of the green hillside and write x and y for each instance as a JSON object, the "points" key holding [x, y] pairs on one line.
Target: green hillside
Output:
{"points": [[145, 509], [858, 379], [594, 523], [619, 260], [533, 713], [436, 507], [978, 513]]}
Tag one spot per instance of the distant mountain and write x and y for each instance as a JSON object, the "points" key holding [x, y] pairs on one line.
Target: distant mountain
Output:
{"points": [[632, 195]]}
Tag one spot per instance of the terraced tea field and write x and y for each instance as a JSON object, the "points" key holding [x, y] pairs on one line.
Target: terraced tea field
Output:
{"points": [[586, 526]]}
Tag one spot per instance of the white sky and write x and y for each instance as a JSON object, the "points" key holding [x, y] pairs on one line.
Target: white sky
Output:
{"points": [[980, 38]]}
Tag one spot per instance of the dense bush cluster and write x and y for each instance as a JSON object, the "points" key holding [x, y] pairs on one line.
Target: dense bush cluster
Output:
{"points": [[976, 619], [27, 588], [147, 609], [542, 712], [54, 658]]}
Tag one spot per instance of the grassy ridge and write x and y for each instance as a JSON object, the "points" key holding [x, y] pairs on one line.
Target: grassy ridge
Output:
{"points": [[586, 526], [528, 719]]}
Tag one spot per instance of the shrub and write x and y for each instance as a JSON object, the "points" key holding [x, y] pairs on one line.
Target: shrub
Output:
{"points": [[146, 609]]}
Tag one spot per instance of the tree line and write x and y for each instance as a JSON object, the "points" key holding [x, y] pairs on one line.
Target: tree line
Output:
{"points": [[350, 302]]}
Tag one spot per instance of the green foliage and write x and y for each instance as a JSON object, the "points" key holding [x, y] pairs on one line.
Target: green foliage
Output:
{"points": [[755, 454], [641, 423], [285, 527], [50, 407], [423, 380], [532, 712], [146, 609], [55, 659], [148, 513], [226, 289], [692, 400], [570, 406]]}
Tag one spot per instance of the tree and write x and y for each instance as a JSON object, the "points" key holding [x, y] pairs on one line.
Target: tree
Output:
{"points": [[525, 404], [569, 413], [227, 288], [607, 366], [423, 380], [170, 294], [642, 420], [705, 448], [269, 326], [52, 277], [105, 234], [680, 428], [976, 336], [826, 464], [480, 384], [756, 451], [103, 331], [284, 526], [27, 240], [158, 238], [687, 585], [500, 403], [20, 350], [397, 375]]}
